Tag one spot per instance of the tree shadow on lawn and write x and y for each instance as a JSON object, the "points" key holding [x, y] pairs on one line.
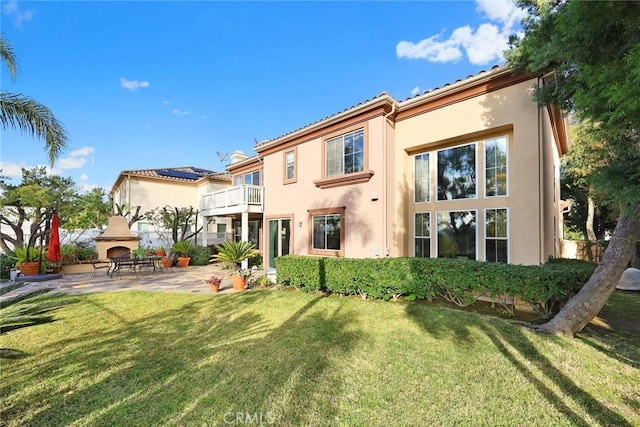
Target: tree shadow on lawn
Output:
{"points": [[511, 340], [194, 364]]}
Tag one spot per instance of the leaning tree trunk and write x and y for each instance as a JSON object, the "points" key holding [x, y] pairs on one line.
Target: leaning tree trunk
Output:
{"points": [[591, 210], [587, 303]]}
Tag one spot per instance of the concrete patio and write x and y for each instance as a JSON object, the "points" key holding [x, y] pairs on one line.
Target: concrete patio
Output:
{"points": [[175, 279]]}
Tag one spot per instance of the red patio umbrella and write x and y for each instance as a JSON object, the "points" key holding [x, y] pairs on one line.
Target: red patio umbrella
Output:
{"points": [[53, 254]]}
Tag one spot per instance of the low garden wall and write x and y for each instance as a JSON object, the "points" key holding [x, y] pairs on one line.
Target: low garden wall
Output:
{"points": [[462, 282]]}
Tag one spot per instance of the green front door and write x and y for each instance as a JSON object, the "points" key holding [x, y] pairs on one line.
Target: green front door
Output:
{"points": [[279, 239]]}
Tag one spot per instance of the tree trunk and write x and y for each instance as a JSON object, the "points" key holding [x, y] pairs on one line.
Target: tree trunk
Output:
{"points": [[587, 303], [591, 235]]}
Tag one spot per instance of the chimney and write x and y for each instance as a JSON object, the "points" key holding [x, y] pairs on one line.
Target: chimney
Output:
{"points": [[238, 156]]}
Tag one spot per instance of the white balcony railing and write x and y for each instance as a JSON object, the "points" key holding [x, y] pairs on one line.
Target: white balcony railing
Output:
{"points": [[237, 199]]}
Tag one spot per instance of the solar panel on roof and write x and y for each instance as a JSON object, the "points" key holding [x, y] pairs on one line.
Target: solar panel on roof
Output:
{"points": [[202, 171], [171, 173]]}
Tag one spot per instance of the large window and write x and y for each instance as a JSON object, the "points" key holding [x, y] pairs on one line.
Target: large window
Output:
{"points": [[252, 178], [457, 173], [421, 178], [496, 235], [422, 239], [327, 231], [344, 154], [496, 167], [457, 234]]}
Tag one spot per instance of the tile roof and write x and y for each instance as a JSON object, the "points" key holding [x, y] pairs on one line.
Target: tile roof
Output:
{"points": [[378, 97], [382, 95], [180, 174], [470, 76]]}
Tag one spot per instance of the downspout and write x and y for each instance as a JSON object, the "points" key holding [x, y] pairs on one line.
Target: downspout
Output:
{"points": [[385, 167], [541, 141]]}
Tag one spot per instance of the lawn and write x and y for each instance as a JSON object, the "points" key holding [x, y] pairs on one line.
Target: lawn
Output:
{"points": [[290, 359]]}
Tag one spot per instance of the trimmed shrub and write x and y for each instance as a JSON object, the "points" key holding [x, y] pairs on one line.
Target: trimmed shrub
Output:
{"points": [[457, 280], [301, 272], [199, 255]]}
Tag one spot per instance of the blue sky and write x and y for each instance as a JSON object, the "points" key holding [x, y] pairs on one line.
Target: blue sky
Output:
{"points": [[146, 84]]}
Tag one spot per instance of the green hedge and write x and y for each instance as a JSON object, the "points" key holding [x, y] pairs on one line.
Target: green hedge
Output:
{"points": [[199, 255], [545, 287]]}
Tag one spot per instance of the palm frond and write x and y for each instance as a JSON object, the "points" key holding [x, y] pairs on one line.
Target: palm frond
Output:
{"points": [[8, 56], [24, 113]]}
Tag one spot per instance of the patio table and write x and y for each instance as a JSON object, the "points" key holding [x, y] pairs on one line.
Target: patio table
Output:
{"points": [[135, 264]]}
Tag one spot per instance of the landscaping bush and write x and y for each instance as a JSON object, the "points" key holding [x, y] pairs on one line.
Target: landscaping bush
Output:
{"points": [[302, 272], [6, 264], [199, 255], [457, 280]]}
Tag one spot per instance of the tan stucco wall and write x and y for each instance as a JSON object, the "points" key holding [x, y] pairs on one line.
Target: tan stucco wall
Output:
{"points": [[365, 218], [509, 111]]}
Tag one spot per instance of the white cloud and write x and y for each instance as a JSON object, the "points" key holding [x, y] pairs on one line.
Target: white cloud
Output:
{"points": [[415, 91], [180, 112], [482, 45], [13, 170], [165, 102], [12, 8], [133, 85], [504, 11], [84, 177], [76, 159]]}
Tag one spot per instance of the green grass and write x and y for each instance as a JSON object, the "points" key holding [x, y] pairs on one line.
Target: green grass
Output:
{"points": [[291, 359]]}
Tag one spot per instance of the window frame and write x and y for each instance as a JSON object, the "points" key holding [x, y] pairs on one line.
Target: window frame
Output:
{"points": [[438, 233], [486, 235], [428, 177], [294, 177], [326, 212], [415, 233], [350, 178], [475, 153], [506, 138]]}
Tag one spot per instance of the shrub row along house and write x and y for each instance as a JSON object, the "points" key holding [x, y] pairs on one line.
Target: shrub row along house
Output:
{"points": [[469, 170]]}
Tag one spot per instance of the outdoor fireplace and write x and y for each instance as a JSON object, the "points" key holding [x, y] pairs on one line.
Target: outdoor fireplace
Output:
{"points": [[117, 240]]}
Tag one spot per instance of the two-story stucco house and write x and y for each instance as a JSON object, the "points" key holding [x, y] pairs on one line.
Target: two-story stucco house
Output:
{"points": [[176, 187], [467, 170]]}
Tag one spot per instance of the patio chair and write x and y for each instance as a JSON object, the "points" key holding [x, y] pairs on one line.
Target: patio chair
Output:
{"points": [[100, 265]]}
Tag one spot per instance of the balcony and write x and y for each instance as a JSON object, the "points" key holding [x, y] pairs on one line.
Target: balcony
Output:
{"points": [[233, 200]]}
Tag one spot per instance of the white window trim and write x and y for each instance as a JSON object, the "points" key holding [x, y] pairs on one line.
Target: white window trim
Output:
{"points": [[484, 170], [477, 143], [484, 232], [414, 177], [430, 232], [435, 254]]}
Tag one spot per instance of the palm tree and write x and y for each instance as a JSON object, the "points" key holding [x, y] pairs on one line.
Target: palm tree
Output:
{"points": [[21, 112]]}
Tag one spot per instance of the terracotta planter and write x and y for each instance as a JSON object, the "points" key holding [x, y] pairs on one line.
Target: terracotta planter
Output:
{"points": [[214, 287], [167, 262], [161, 253], [239, 283], [29, 268], [183, 261]]}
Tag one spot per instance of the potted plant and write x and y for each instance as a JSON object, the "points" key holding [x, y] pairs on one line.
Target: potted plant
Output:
{"points": [[182, 248], [235, 252], [214, 283], [160, 251], [263, 282], [27, 259]]}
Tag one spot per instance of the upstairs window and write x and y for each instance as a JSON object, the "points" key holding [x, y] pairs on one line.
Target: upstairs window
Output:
{"points": [[421, 178], [457, 173], [344, 154], [496, 167], [290, 166]]}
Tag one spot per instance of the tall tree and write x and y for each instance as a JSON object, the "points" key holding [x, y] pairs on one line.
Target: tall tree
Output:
{"points": [[33, 201], [591, 210], [588, 54], [21, 112]]}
